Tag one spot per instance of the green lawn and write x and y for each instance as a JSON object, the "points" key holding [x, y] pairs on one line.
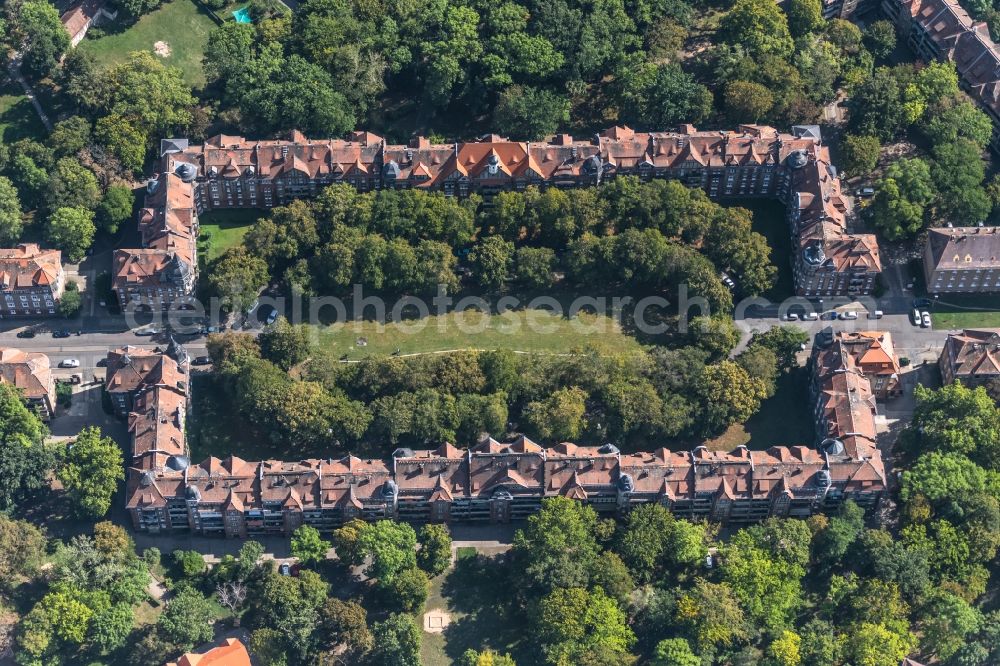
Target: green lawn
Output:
{"points": [[18, 119], [952, 311], [180, 24], [477, 596], [952, 320], [223, 229], [785, 419], [520, 330]]}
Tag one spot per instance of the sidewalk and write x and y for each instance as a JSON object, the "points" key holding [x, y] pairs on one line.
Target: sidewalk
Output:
{"points": [[14, 67]]}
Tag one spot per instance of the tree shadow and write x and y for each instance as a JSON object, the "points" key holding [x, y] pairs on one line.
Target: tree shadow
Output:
{"points": [[479, 591]]}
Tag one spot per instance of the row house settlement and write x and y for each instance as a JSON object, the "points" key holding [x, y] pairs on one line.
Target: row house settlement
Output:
{"points": [[754, 161], [971, 357], [32, 281], [943, 30], [494, 482]]}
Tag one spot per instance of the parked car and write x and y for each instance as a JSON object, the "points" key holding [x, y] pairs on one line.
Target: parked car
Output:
{"points": [[285, 569], [925, 319], [26, 333], [916, 316], [848, 316], [921, 302], [148, 331], [791, 316], [209, 329], [202, 360], [69, 363], [866, 192], [810, 316], [60, 334], [877, 314], [828, 316], [272, 317]]}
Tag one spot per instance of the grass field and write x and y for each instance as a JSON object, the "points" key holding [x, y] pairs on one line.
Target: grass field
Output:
{"points": [[223, 229], [180, 24], [520, 330], [18, 119]]}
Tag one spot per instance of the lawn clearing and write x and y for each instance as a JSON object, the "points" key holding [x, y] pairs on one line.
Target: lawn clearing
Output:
{"points": [[477, 597], [220, 230], [770, 221], [952, 311], [177, 32], [785, 419], [519, 330], [18, 119], [969, 319]]}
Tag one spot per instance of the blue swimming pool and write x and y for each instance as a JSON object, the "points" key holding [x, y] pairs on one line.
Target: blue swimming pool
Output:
{"points": [[242, 15]]}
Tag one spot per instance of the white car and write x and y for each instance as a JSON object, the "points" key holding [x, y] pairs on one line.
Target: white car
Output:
{"points": [[791, 316], [848, 316], [69, 363], [916, 317], [925, 319], [810, 316]]}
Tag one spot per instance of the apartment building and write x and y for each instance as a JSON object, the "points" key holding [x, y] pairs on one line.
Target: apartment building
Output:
{"points": [[162, 273], [31, 281], [971, 357], [30, 372], [962, 260], [753, 161], [873, 355], [496, 482], [846, 379], [134, 371], [942, 30]]}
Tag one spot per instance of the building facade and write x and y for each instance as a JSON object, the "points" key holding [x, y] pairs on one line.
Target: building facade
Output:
{"points": [[494, 482], [962, 260], [30, 372], [843, 9], [942, 30], [753, 161], [31, 281], [971, 357]]}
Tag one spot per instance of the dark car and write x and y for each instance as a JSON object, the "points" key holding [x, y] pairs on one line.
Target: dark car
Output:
{"points": [[202, 360], [60, 334], [921, 302], [828, 316], [26, 334]]}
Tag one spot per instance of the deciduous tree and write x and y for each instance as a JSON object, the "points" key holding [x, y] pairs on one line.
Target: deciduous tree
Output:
{"points": [[72, 231], [434, 555], [90, 472]]}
